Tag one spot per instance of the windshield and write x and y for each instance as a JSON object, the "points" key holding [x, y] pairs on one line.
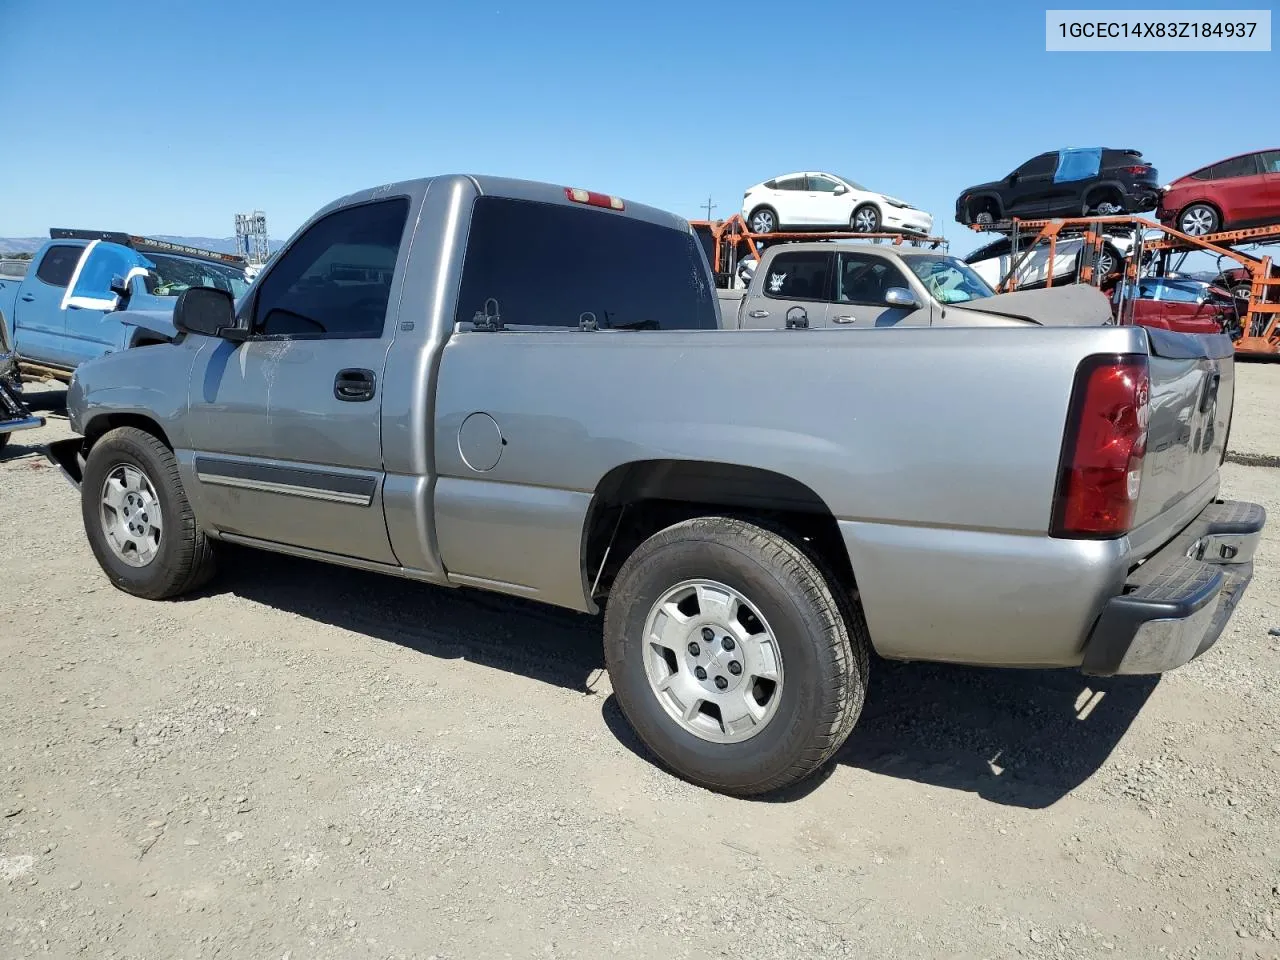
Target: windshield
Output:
{"points": [[853, 183], [948, 279], [172, 275]]}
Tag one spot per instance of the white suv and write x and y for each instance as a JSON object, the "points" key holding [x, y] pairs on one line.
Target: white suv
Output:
{"points": [[815, 199]]}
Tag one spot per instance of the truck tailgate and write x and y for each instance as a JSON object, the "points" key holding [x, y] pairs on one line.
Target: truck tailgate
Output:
{"points": [[1192, 391]]}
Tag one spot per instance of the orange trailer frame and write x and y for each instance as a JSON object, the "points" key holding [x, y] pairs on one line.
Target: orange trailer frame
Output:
{"points": [[1260, 334]]}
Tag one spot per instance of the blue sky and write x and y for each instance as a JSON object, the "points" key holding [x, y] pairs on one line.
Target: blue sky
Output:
{"points": [[172, 117]]}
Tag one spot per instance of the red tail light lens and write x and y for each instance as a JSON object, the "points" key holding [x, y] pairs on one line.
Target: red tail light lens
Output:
{"points": [[1139, 169], [1106, 439]]}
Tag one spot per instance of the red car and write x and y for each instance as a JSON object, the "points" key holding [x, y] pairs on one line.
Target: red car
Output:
{"points": [[1241, 191], [1183, 305]]}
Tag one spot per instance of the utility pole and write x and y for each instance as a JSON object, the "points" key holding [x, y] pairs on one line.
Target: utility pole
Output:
{"points": [[709, 207]]}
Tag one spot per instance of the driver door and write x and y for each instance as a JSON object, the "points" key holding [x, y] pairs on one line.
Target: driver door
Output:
{"points": [[286, 426], [862, 281]]}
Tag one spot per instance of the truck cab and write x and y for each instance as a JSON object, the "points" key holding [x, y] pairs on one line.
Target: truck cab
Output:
{"points": [[86, 294]]}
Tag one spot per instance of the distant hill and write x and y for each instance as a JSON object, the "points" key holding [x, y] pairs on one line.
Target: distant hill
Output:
{"points": [[11, 245]]}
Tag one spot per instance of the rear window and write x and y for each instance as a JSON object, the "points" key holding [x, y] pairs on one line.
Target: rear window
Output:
{"points": [[58, 264], [546, 265]]}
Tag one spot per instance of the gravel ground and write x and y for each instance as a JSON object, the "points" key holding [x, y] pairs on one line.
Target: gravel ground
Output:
{"points": [[305, 761]]}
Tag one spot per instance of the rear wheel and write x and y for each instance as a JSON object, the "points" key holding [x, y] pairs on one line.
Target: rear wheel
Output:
{"points": [[1199, 219], [137, 518], [732, 657]]}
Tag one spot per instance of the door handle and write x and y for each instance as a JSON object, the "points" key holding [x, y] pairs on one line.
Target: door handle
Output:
{"points": [[28, 298], [758, 314], [354, 385], [842, 319]]}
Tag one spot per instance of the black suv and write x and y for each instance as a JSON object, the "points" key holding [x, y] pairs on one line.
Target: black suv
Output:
{"points": [[1078, 182]]}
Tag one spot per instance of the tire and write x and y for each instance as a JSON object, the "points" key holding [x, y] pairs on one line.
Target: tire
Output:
{"points": [[1107, 200], [1202, 218], [819, 641], [865, 219], [763, 220], [183, 557], [984, 218], [1111, 254], [4, 440]]}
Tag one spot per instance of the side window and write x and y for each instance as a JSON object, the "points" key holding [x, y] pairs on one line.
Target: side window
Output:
{"points": [[791, 183], [864, 278], [103, 263], [822, 184], [1246, 166], [1041, 166], [1271, 161], [1000, 248], [59, 264], [547, 264], [1176, 294], [334, 282], [799, 276]]}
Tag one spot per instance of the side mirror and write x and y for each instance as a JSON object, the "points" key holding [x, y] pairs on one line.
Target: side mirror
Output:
{"points": [[840, 189], [119, 287], [207, 311], [1012, 178], [900, 297]]}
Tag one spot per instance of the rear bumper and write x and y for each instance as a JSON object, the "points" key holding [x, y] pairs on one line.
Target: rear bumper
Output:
{"points": [[1176, 605]]}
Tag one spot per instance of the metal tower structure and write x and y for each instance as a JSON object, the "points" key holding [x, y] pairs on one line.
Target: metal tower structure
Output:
{"points": [[252, 241]]}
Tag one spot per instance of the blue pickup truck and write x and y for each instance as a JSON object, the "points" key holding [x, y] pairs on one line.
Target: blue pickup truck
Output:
{"points": [[89, 293]]}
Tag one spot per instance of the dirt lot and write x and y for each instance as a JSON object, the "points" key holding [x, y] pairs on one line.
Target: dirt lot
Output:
{"points": [[308, 762]]}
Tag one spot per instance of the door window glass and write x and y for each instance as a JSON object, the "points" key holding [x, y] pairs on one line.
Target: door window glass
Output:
{"points": [[1246, 166], [799, 276], [1041, 166], [1271, 161], [791, 183], [334, 282], [822, 184], [58, 264], [864, 278], [103, 263]]}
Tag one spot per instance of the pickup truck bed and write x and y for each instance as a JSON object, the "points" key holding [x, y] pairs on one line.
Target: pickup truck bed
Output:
{"points": [[754, 511]]}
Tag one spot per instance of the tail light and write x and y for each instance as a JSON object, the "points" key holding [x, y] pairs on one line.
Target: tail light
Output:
{"points": [[1100, 473], [1139, 169]]}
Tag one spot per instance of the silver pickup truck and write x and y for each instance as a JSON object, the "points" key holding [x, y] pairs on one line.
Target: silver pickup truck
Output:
{"points": [[463, 381]]}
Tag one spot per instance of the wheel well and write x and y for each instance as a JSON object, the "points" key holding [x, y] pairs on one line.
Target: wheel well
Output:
{"points": [[1105, 192], [868, 203], [99, 425], [762, 206], [1202, 203], [636, 500], [987, 203]]}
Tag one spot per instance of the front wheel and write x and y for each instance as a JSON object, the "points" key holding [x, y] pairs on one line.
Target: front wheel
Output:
{"points": [[866, 219], [732, 657], [137, 518]]}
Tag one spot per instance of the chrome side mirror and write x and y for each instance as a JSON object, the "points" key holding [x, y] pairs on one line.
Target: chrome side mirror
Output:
{"points": [[900, 297]]}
